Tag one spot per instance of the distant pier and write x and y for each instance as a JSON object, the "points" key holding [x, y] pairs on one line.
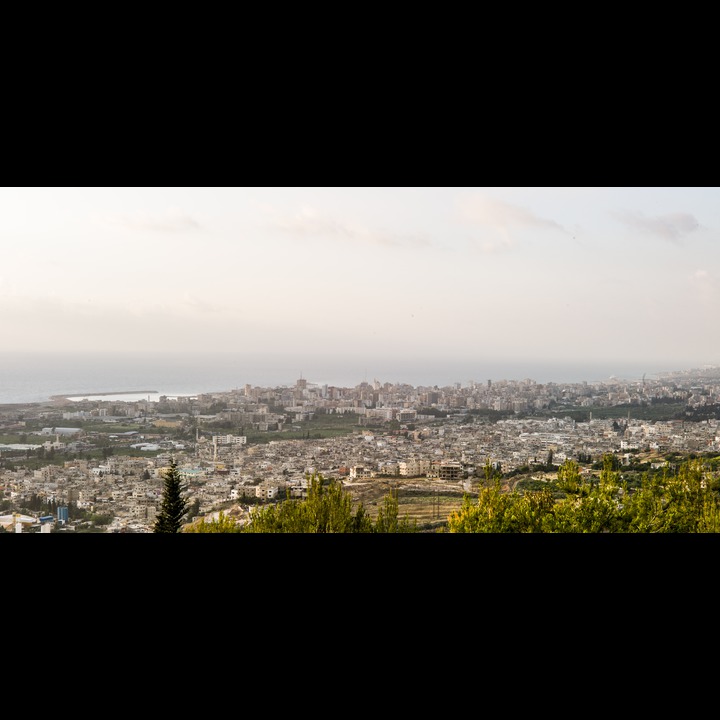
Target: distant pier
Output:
{"points": [[100, 394]]}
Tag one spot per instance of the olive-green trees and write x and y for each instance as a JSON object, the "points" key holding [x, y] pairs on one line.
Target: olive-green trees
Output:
{"points": [[328, 508], [222, 524], [687, 502], [388, 521], [590, 506], [496, 511]]}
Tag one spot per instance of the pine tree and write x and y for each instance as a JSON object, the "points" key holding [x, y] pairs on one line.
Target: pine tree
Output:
{"points": [[174, 503]]}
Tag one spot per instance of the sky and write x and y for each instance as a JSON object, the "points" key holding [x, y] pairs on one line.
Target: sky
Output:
{"points": [[571, 274]]}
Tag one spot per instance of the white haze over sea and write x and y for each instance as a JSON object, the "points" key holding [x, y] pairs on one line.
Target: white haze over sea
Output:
{"points": [[36, 377]]}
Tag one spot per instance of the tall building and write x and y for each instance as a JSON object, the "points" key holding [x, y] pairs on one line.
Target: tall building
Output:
{"points": [[450, 471]]}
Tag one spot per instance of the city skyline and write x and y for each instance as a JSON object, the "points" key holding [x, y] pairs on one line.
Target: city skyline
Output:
{"points": [[553, 274]]}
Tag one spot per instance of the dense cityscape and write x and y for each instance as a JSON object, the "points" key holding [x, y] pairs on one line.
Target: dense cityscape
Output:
{"points": [[84, 465]]}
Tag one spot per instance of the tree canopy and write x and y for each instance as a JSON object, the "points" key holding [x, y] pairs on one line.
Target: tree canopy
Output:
{"points": [[685, 502], [224, 523], [328, 508]]}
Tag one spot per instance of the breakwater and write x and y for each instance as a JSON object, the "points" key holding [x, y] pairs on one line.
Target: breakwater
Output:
{"points": [[102, 394]]}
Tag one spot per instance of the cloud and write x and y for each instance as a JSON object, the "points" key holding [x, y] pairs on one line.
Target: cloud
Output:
{"points": [[309, 222], [503, 216], [490, 247], [194, 304], [702, 278], [672, 227], [172, 220]]}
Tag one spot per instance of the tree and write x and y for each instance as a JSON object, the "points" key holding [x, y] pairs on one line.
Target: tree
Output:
{"points": [[328, 508], [174, 503], [223, 524], [492, 474], [687, 501], [549, 461], [490, 513], [387, 521], [683, 502], [568, 477], [193, 509]]}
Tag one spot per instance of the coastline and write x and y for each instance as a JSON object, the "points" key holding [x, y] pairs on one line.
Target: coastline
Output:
{"points": [[97, 394]]}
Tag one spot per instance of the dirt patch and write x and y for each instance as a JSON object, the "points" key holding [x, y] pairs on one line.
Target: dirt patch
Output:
{"points": [[428, 502]]}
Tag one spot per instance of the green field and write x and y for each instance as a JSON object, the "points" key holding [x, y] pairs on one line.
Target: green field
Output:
{"points": [[319, 427]]}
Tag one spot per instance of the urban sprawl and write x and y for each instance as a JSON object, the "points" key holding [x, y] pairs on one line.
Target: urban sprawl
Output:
{"points": [[257, 442]]}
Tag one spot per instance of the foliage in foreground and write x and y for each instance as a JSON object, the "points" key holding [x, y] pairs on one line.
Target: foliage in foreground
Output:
{"points": [[328, 508], [685, 502], [682, 501], [222, 524]]}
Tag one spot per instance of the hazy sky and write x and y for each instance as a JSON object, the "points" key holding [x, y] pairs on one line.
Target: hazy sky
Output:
{"points": [[549, 273]]}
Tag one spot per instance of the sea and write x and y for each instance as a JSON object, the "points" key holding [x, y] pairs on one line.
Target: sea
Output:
{"points": [[38, 377]]}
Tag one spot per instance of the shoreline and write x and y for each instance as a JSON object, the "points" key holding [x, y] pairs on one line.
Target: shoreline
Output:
{"points": [[99, 394]]}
